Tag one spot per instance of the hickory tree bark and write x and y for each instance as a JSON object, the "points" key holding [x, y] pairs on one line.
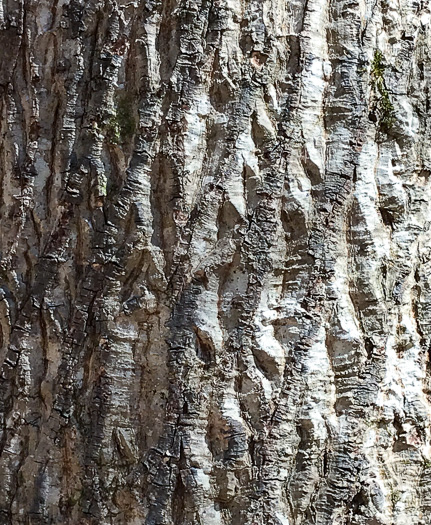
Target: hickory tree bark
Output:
{"points": [[215, 290]]}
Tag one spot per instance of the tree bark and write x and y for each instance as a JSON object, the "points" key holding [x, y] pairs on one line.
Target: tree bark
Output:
{"points": [[215, 262]]}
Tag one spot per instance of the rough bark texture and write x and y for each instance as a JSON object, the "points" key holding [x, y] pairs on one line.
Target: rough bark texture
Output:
{"points": [[215, 262]]}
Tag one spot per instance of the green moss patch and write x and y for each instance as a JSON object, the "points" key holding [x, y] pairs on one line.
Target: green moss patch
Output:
{"points": [[384, 104], [122, 125]]}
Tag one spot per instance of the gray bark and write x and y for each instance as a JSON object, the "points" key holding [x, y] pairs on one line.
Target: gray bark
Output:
{"points": [[215, 262]]}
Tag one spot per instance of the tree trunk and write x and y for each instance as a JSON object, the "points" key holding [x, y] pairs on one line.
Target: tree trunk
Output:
{"points": [[215, 262]]}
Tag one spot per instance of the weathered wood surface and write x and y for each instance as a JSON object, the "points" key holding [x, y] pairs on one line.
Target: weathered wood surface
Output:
{"points": [[215, 289]]}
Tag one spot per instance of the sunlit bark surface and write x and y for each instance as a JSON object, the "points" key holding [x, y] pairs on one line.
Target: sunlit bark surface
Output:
{"points": [[215, 262]]}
